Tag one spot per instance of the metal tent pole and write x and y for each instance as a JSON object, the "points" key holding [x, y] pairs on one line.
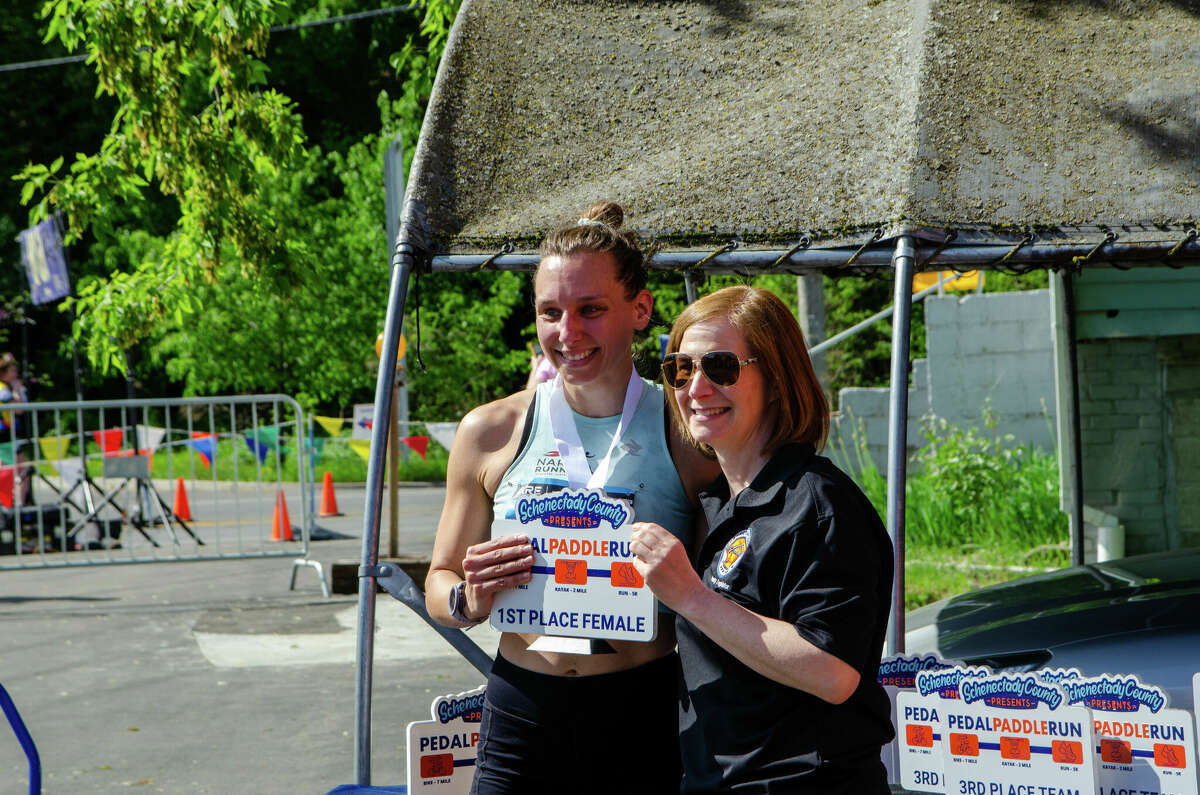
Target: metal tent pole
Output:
{"points": [[903, 262], [402, 265], [371, 573], [1076, 504], [958, 255]]}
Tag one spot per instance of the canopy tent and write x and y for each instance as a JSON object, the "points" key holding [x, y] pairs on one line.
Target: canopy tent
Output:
{"points": [[859, 135], [772, 120]]}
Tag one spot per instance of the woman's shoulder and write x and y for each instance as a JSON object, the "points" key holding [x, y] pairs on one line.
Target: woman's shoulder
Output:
{"points": [[827, 490], [492, 425]]}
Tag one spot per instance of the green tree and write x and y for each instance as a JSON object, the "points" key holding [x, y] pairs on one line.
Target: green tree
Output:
{"points": [[240, 256]]}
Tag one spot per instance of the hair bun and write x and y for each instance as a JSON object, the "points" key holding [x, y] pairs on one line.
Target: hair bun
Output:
{"points": [[609, 213]]}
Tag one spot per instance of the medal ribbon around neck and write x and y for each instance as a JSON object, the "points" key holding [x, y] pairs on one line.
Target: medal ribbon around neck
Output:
{"points": [[570, 448]]}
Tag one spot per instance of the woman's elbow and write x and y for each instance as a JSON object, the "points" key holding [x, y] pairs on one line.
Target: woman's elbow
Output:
{"points": [[840, 684]]}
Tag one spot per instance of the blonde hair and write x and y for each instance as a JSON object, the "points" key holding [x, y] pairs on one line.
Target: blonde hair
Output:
{"points": [[774, 338]]}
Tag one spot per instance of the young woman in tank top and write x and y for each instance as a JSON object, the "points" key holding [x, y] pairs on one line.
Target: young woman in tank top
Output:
{"points": [[556, 722]]}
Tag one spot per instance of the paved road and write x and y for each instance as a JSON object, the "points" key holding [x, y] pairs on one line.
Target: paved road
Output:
{"points": [[212, 676]]}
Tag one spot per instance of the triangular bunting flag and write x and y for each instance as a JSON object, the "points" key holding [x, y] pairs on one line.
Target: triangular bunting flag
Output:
{"points": [[332, 425], [418, 444], [6, 486], [316, 448], [442, 432], [54, 447], [362, 447], [149, 437], [8, 454], [70, 470], [109, 440], [205, 445], [267, 434], [258, 448]]}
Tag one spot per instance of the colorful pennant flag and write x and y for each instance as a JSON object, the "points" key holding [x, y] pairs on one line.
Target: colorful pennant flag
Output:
{"points": [[316, 448], [54, 447], [258, 448], [362, 447], [332, 425], [8, 453], [149, 437], [70, 470], [205, 445], [418, 444], [442, 432], [268, 435], [109, 440], [6, 486]]}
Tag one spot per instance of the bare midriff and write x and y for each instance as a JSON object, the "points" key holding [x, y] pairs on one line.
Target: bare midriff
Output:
{"points": [[629, 654]]}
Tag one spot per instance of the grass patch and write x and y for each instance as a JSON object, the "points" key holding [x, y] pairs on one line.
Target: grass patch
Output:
{"points": [[979, 509]]}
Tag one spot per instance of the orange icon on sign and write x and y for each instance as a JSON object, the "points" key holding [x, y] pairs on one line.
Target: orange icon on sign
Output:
{"points": [[1169, 755], [570, 572], [624, 575], [1014, 747], [964, 744], [1067, 752], [919, 735], [1117, 752], [437, 765]]}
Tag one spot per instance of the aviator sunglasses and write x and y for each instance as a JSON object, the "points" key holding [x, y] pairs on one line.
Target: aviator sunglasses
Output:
{"points": [[722, 368]]}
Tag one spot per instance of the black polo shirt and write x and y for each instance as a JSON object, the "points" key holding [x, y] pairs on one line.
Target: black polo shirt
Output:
{"points": [[802, 544]]}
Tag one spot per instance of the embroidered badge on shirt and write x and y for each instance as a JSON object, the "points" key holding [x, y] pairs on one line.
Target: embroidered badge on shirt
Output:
{"points": [[733, 552]]}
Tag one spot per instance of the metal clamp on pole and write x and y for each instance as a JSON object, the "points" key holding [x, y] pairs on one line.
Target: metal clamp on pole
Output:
{"points": [[1079, 262], [397, 582], [805, 242], [876, 235], [489, 263]]}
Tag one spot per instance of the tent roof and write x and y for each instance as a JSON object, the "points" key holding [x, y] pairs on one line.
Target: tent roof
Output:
{"points": [[767, 120]]}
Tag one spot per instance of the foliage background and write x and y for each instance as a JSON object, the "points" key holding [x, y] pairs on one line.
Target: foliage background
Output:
{"points": [[221, 166]]}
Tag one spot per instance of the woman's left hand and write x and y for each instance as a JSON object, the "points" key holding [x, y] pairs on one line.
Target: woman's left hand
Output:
{"points": [[663, 562]]}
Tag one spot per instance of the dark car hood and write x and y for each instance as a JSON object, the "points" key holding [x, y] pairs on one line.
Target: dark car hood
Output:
{"points": [[1020, 624]]}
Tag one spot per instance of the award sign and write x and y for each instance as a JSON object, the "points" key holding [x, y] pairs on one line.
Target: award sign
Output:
{"points": [[1144, 747], [898, 674], [584, 583], [442, 751], [1014, 733], [919, 729]]}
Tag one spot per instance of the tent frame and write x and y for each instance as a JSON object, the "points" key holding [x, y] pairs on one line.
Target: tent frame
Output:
{"points": [[903, 254]]}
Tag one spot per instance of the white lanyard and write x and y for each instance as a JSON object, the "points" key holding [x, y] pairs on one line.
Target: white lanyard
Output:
{"points": [[570, 448]]}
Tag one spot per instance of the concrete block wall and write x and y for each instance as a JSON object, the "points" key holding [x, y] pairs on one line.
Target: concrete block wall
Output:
{"points": [[1121, 418], [1180, 357], [990, 346]]}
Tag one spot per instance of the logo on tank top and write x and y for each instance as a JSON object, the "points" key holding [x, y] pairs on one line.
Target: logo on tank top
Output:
{"points": [[549, 463], [733, 553], [631, 447]]}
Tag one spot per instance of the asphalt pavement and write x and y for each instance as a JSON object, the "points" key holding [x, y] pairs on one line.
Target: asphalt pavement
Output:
{"points": [[213, 676]]}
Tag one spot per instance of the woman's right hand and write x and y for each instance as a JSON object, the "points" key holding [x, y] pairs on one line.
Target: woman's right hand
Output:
{"points": [[493, 566], [663, 562]]}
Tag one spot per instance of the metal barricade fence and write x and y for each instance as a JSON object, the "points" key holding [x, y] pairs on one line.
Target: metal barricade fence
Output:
{"points": [[116, 481]]}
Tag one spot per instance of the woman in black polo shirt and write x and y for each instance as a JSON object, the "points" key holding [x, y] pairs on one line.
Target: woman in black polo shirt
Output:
{"points": [[781, 631]]}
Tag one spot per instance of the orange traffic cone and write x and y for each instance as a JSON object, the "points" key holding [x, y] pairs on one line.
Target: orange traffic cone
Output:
{"points": [[329, 505], [181, 509], [281, 525]]}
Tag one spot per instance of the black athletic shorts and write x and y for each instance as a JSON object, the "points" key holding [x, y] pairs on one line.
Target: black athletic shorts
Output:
{"points": [[609, 734]]}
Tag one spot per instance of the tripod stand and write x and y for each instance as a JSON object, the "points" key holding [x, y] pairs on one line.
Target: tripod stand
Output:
{"points": [[136, 470]]}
